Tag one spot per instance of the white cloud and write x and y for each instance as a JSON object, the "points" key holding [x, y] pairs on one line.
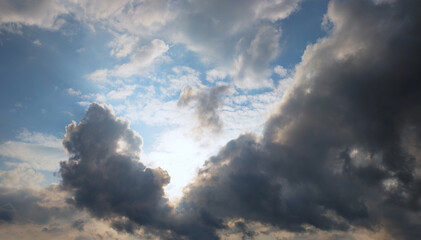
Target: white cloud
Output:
{"points": [[251, 68], [37, 42], [99, 76], [40, 151], [144, 57], [41, 13], [139, 17], [121, 93], [216, 74], [281, 71], [183, 77], [141, 62], [123, 45]]}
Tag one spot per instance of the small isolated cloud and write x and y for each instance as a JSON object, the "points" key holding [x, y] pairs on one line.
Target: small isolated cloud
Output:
{"points": [[281, 71], [80, 50], [73, 92], [208, 102], [37, 42]]}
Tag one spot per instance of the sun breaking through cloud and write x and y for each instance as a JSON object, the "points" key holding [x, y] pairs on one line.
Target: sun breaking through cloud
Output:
{"points": [[254, 126]]}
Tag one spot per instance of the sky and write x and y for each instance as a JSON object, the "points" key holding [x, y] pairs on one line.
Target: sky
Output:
{"points": [[194, 119]]}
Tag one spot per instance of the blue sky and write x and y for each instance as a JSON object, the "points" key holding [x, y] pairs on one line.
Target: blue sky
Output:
{"points": [[240, 102], [46, 73]]}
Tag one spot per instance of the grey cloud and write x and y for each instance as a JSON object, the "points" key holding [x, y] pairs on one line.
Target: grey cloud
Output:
{"points": [[247, 233], [113, 184], [251, 67], [208, 102], [109, 181], [338, 154], [78, 224], [26, 206]]}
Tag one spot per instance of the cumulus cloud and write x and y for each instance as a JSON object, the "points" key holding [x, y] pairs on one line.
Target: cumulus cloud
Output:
{"points": [[337, 156], [105, 177], [105, 174], [207, 104]]}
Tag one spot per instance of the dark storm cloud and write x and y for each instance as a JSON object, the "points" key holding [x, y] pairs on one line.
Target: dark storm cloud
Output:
{"points": [[341, 153], [107, 178], [207, 105], [105, 174]]}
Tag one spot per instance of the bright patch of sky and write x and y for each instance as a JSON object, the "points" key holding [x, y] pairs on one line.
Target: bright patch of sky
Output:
{"points": [[138, 58]]}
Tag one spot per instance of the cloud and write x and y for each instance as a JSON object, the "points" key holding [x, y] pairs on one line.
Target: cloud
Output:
{"points": [[123, 45], [140, 17], [105, 177], [140, 62], [105, 174], [214, 28], [40, 13], [338, 154], [250, 68], [37, 42], [207, 104], [23, 206], [22, 176], [73, 92], [214, 74], [281, 71], [122, 93], [41, 151]]}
